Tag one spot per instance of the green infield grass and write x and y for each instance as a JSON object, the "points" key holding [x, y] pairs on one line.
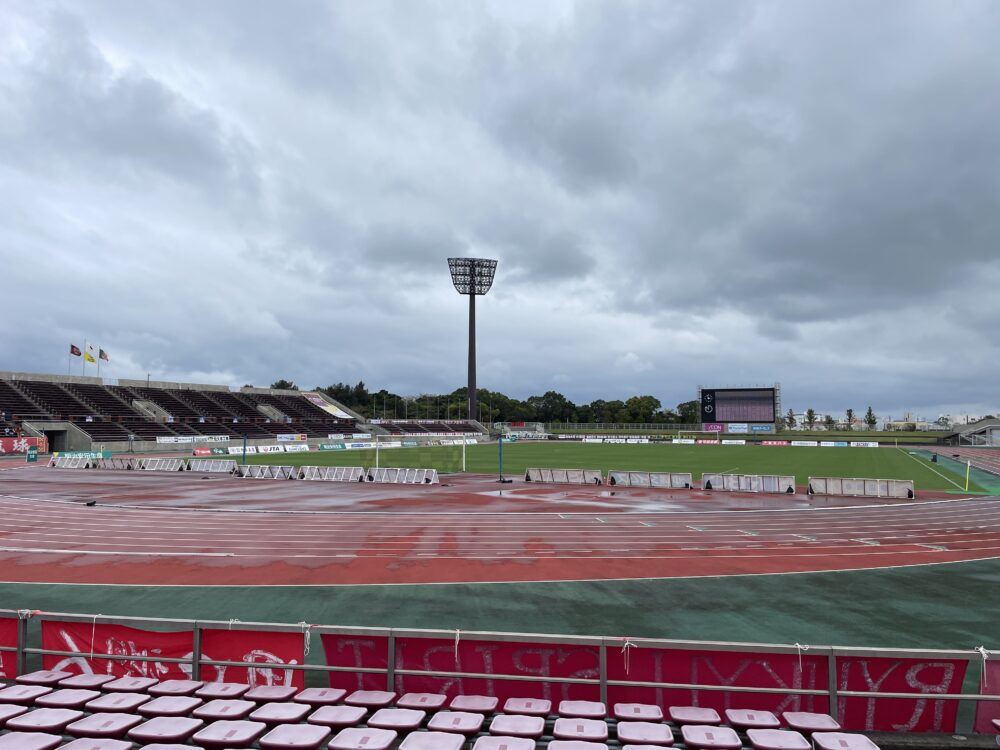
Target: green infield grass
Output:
{"points": [[870, 463]]}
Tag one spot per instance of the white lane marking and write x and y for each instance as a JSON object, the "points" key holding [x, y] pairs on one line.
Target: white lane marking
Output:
{"points": [[929, 468]]}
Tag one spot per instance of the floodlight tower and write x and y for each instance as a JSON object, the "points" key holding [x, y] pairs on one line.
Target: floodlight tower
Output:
{"points": [[472, 276]]}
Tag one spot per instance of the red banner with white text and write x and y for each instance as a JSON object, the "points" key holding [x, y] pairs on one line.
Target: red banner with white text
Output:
{"points": [[922, 677], [987, 711], [20, 445], [805, 671], [8, 639], [84, 639], [546, 660], [264, 653]]}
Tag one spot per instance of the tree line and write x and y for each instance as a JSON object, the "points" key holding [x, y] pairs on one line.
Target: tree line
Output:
{"points": [[810, 419], [494, 406]]}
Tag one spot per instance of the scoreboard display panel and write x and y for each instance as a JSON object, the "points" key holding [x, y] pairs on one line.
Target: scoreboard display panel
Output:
{"points": [[738, 405]]}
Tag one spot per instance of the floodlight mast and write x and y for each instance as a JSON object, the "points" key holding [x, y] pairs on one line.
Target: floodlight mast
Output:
{"points": [[472, 276]]}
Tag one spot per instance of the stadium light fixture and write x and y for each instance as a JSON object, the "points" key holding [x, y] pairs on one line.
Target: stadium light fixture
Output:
{"points": [[472, 277]]}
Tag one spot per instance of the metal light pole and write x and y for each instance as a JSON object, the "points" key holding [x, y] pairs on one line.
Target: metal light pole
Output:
{"points": [[474, 277]]}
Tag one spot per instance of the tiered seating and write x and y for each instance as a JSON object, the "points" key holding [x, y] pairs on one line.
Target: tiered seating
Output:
{"points": [[204, 405], [104, 431], [235, 404], [47, 709], [146, 430], [167, 401], [15, 404], [101, 400], [292, 406], [59, 402]]}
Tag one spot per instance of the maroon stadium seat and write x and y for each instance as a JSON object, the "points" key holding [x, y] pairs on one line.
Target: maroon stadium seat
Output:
{"points": [[42, 677], [176, 687], [844, 741], [169, 746], [165, 728], [576, 745], [701, 737], [9, 711], [337, 716], [117, 702], [270, 693], [777, 739], [587, 730], [642, 747], [50, 720], [280, 713], [582, 710], [103, 725], [86, 681], [29, 741], [462, 722], [129, 685], [361, 738], [513, 725], [320, 696], [803, 721], [294, 737], [743, 718], [637, 712], [213, 690], [169, 705], [397, 719], [66, 698], [224, 709], [98, 744], [370, 698], [527, 706], [480, 704], [504, 743], [432, 741], [225, 734], [644, 733], [23, 695], [422, 701], [693, 715]]}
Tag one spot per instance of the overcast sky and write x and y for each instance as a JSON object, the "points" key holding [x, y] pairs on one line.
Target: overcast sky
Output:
{"points": [[678, 193]]}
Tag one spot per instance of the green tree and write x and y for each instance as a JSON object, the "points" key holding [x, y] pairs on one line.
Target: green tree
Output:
{"points": [[829, 422], [790, 419], [810, 418], [690, 412], [284, 385], [870, 419], [850, 419]]}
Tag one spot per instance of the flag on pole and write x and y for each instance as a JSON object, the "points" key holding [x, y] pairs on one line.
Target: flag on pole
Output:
{"points": [[88, 357], [103, 355], [75, 350]]}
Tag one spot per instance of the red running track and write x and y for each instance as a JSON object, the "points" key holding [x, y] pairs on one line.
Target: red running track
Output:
{"points": [[63, 541]]}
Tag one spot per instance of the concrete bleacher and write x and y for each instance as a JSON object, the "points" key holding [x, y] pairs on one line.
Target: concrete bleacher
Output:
{"points": [[16, 404], [424, 427], [51, 709], [58, 402]]}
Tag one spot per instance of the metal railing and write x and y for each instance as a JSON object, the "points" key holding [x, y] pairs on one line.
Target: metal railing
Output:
{"points": [[25, 654]]}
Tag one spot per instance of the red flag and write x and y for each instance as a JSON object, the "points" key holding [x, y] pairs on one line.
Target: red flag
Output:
{"points": [[75, 350], [104, 355]]}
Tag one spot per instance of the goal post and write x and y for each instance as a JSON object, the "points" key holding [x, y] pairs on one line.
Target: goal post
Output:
{"points": [[448, 454]]}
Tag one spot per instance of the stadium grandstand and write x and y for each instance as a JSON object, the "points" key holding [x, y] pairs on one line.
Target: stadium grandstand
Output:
{"points": [[81, 413]]}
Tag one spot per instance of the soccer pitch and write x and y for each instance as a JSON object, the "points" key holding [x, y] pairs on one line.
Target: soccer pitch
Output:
{"points": [[870, 463]]}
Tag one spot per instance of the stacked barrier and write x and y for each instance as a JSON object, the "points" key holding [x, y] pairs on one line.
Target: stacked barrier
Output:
{"points": [[116, 463], [160, 464], [656, 479], [209, 466], [564, 476], [331, 473], [766, 483], [403, 476], [902, 489]]}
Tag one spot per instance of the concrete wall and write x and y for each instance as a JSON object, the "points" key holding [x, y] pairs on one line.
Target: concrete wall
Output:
{"points": [[168, 385], [42, 378]]}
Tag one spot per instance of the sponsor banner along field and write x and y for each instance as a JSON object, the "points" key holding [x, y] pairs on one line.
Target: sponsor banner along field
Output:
{"points": [[801, 462]]}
